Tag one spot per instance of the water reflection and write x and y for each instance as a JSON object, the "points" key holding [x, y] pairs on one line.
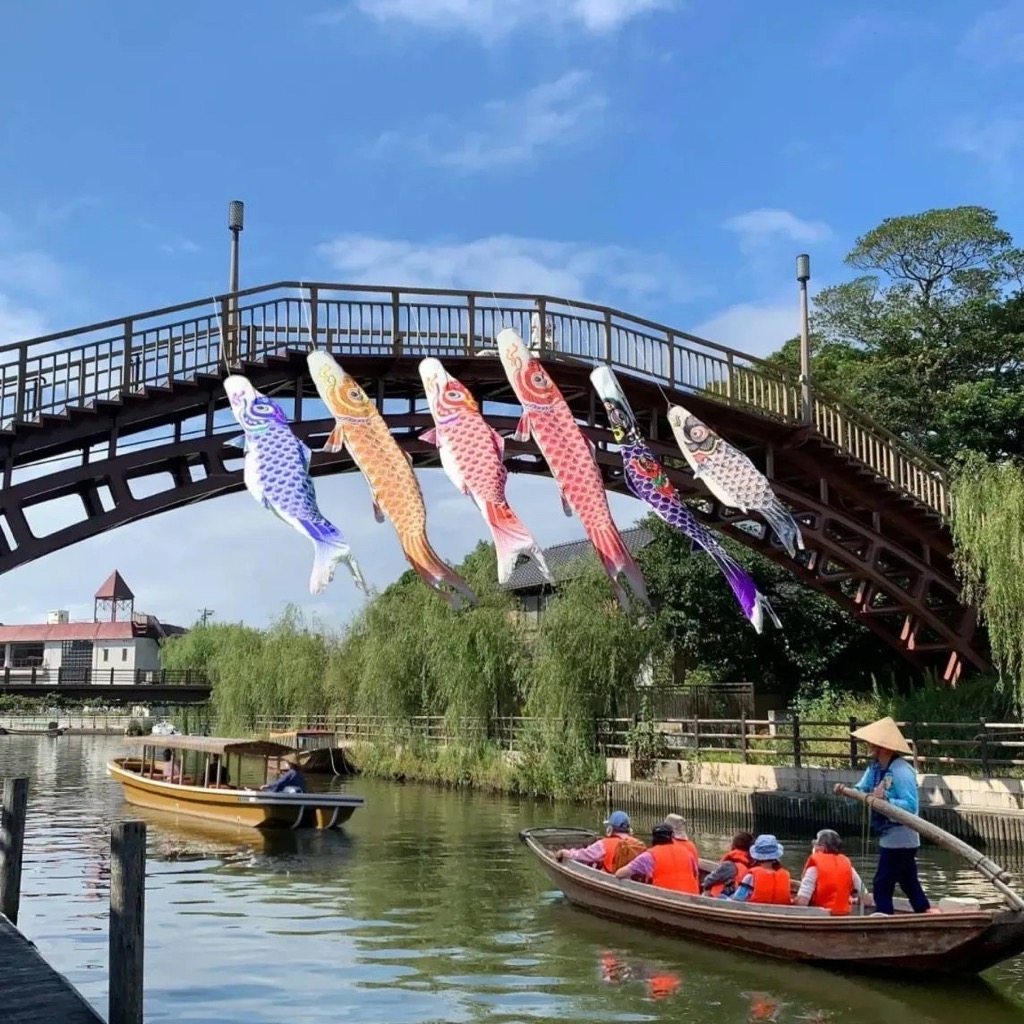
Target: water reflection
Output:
{"points": [[424, 908]]}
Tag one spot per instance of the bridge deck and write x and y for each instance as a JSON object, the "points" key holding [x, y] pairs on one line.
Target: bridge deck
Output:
{"points": [[32, 991]]}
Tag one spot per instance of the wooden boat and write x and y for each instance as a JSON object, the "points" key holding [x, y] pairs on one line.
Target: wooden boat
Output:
{"points": [[958, 940], [52, 731], [316, 751], [142, 780]]}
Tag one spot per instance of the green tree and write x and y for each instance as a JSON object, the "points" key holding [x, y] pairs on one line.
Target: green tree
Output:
{"points": [[819, 642], [988, 513], [929, 340]]}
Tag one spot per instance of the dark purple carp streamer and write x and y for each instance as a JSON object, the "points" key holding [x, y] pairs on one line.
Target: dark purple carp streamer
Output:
{"points": [[647, 480]]}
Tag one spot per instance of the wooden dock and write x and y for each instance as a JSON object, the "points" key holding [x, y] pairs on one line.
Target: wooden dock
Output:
{"points": [[31, 991]]}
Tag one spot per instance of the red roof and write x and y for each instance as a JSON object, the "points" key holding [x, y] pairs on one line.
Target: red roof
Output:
{"points": [[114, 588], [41, 632]]}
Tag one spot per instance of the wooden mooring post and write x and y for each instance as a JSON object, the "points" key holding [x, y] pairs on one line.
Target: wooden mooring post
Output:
{"points": [[12, 845], [127, 921]]}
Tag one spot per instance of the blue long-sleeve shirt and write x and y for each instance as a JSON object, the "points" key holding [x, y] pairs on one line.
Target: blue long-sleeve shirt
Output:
{"points": [[292, 777], [900, 781]]}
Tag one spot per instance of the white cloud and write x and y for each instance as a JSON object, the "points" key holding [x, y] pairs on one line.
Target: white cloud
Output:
{"points": [[504, 132], [996, 38], [507, 263], [994, 141], [756, 328], [763, 226], [490, 19], [30, 282]]}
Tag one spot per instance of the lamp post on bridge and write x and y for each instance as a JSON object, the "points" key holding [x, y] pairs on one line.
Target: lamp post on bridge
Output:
{"points": [[803, 275], [236, 221]]}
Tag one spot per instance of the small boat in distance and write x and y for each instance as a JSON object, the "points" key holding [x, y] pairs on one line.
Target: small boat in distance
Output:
{"points": [[144, 784], [962, 939]]}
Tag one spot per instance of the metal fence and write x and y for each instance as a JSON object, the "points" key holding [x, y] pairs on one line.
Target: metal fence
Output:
{"points": [[985, 748], [50, 677]]}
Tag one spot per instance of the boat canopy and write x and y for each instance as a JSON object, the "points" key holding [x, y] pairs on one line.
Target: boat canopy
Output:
{"points": [[215, 745]]}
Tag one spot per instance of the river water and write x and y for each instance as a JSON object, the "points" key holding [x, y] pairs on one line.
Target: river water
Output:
{"points": [[426, 908]]}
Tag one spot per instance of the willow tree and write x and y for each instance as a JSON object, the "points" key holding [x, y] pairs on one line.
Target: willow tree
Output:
{"points": [[988, 532]]}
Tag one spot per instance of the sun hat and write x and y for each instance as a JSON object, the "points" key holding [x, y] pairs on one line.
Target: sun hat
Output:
{"points": [[678, 825], [617, 821], [766, 847], [884, 733]]}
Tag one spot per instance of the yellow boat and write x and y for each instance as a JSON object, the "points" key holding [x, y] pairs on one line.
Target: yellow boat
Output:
{"points": [[144, 783]]}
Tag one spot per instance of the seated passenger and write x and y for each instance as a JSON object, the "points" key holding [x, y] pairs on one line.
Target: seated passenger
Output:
{"points": [[829, 879], [766, 881], [680, 835], [290, 781], [216, 772], [733, 864], [167, 769], [604, 852], [667, 864]]}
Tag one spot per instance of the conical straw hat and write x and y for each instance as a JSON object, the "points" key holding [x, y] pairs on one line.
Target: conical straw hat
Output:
{"points": [[884, 733]]}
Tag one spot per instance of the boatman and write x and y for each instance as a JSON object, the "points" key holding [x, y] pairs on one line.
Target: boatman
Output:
{"points": [[889, 777]]}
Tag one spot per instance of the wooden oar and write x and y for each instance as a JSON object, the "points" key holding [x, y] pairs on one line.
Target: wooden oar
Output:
{"points": [[997, 875]]}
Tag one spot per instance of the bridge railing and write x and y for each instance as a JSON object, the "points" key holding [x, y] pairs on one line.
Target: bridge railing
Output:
{"points": [[47, 678], [99, 362]]}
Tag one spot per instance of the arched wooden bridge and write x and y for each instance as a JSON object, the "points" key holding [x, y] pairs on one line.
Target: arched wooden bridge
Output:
{"points": [[91, 412]]}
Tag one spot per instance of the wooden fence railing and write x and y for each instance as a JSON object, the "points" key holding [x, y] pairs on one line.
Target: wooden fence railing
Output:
{"points": [[985, 748]]}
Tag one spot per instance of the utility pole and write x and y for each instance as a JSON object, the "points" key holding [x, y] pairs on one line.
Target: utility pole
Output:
{"points": [[236, 221], [205, 614], [803, 275]]}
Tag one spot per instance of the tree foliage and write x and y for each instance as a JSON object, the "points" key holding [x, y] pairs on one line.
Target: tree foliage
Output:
{"points": [[988, 528], [704, 625], [929, 340]]}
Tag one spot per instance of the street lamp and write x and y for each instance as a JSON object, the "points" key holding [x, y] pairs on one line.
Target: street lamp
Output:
{"points": [[803, 275], [236, 221]]}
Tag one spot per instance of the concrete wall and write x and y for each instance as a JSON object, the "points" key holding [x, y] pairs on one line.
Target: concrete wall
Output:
{"points": [[992, 796]]}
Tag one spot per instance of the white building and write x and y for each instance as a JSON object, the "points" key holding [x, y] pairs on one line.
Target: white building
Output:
{"points": [[119, 645]]}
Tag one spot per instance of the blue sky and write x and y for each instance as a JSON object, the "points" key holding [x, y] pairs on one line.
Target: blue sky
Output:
{"points": [[666, 156]]}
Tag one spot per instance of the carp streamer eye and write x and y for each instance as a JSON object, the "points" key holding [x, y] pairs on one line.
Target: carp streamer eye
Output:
{"points": [[698, 434], [454, 395], [539, 379], [355, 394]]}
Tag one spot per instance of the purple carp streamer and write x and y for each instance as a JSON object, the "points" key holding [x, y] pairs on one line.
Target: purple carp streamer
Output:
{"points": [[647, 480], [277, 476]]}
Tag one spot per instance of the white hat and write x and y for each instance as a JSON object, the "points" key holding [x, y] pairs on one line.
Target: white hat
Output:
{"points": [[884, 733]]}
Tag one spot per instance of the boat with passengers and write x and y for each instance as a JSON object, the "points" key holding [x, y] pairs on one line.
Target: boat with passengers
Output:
{"points": [[962, 937], [188, 789]]}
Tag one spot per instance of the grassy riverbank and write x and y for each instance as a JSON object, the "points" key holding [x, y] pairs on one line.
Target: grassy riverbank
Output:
{"points": [[558, 774]]}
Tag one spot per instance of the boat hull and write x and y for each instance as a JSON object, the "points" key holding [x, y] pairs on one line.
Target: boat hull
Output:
{"points": [[253, 808], [959, 942]]}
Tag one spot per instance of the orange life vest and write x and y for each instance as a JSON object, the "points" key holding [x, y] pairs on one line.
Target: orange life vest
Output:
{"points": [[771, 885], [834, 886], [742, 862], [674, 868], [610, 843], [688, 844]]}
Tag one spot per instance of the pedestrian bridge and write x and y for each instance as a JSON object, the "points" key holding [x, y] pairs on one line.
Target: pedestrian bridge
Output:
{"points": [[126, 417]]}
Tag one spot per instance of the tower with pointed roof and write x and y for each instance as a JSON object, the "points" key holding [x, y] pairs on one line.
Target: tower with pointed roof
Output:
{"points": [[114, 601]]}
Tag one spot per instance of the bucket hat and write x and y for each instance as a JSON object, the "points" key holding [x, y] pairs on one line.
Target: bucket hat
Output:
{"points": [[766, 847]]}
